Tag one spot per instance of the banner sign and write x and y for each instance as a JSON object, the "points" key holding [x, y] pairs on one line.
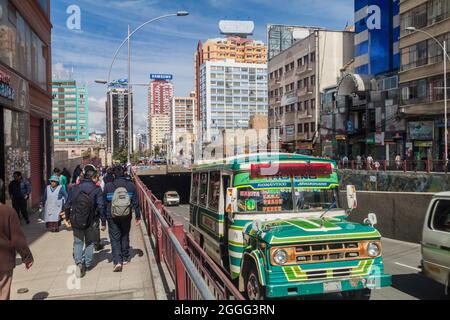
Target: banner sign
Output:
{"points": [[155, 76]]}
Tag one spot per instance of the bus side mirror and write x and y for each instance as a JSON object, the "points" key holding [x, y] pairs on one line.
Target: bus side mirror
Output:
{"points": [[352, 203], [231, 202]]}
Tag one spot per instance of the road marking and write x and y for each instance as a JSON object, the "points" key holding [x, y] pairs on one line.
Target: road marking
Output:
{"points": [[406, 266]]}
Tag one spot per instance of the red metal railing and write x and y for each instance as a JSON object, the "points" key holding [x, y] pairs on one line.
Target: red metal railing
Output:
{"points": [[192, 270], [429, 166]]}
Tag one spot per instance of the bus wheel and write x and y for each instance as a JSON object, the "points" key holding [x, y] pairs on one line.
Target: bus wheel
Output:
{"points": [[253, 288], [363, 294]]}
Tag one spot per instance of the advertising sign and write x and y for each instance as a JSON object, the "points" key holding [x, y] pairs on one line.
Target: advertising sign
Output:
{"points": [[156, 76], [14, 90], [375, 19], [290, 130], [421, 130]]}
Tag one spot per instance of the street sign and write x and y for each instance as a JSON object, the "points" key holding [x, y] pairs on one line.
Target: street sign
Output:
{"points": [[155, 76]]}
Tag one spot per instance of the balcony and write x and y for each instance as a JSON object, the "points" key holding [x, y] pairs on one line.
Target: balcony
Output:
{"points": [[303, 69], [305, 91]]}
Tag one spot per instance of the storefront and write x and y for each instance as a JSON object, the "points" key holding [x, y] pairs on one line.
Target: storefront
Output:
{"points": [[420, 138], [14, 114]]}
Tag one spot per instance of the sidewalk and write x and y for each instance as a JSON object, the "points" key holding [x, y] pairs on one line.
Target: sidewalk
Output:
{"points": [[52, 274]]}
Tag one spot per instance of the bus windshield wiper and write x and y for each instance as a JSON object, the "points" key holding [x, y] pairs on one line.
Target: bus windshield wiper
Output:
{"points": [[322, 216]]}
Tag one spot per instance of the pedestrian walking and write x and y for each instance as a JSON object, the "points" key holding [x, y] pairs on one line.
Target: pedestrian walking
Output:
{"points": [[62, 179], [76, 174], [12, 241], [53, 200], [19, 192], [398, 161], [120, 198], [66, 174], [345, 162], [82, 211], [369, 162]]}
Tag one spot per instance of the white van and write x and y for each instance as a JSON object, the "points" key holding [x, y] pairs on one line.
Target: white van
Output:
{"points": [[436, 241]]}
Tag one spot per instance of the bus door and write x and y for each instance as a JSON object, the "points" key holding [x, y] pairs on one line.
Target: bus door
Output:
{"points": [[226, 183]]}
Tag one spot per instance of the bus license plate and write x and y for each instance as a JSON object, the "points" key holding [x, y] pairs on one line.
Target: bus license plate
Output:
{"points": [[331, 287]]}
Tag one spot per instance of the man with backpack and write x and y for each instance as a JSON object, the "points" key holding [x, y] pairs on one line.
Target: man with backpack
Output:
{"points": [[82, 210], [120, 198]]}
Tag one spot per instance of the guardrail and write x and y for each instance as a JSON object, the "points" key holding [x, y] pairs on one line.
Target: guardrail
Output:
{"points": [[428, 166], [195, 275]]}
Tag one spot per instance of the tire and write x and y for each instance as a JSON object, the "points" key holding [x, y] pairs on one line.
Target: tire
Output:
{"points": [[363, 294], [253, 288]]}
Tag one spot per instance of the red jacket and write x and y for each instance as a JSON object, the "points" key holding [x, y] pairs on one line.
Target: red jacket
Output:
{"points": [[12, 240]]}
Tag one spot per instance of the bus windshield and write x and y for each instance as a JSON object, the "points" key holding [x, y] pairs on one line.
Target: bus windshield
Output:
{"points": [[286, 200]]}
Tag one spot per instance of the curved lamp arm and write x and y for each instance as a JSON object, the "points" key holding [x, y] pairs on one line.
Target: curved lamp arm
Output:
{"points": [[131, 34]]}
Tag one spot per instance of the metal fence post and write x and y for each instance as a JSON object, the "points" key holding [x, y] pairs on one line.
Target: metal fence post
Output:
{"points": [[181, 294]]}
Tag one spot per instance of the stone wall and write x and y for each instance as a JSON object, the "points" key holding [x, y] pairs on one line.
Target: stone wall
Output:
{"points": [[400, 215]]}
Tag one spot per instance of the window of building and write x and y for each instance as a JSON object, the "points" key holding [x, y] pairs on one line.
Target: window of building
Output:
{"points": [[438, 10], [306, 104], [313, 103], [414, 92], [416, 17], [306, 128], [313, 81], [313, 56], [414, 56], [300, 128]]}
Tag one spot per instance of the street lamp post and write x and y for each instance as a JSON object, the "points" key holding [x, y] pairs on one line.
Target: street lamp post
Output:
{"points": [[446, 56], [128, 40]]}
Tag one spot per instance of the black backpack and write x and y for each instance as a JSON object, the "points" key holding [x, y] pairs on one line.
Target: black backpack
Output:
{"points": [[82, 215]]}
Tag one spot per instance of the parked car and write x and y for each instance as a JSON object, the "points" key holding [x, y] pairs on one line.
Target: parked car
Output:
{"points": [[171, 198], [436, 241]]}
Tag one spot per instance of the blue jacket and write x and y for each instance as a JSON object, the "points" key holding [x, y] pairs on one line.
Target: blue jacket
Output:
{"points": [[19, 190], [95, 193], [109, 192]]}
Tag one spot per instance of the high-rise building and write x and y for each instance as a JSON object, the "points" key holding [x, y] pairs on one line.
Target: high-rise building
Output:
{"points": [[297, 77], [184, 128], [235, 46], [25, 94], [421, 76], [117, 128], [231, 93], [160, 97], [160, 101], [70, 112]]}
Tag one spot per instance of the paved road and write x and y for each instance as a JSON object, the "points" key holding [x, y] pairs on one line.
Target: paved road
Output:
{"points": [[401, 260]]}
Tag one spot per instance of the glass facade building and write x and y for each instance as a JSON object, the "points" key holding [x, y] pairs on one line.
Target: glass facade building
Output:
{"points": [[230, 93]]}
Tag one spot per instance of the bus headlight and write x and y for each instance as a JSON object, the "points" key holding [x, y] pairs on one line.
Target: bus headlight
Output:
{"points": [[280, 257], [373, 249]]}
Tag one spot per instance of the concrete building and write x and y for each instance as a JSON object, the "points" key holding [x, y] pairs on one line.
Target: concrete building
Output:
{"points": [[70, 112], [160, 125], [360, 114], [117, 127], [25, 93], [231, 93], [98, 137], [421, 76], [184, 128], [235, 46], [297, 77]]}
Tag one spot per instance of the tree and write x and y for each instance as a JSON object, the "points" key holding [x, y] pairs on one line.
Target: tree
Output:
{"points": [[157, 151], [121, 155]]}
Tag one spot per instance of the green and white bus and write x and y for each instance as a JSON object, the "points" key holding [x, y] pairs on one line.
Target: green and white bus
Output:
{"points": [[273, 223]]}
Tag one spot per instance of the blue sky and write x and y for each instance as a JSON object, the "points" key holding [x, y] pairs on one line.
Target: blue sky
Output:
{"points": [[166, 46]]}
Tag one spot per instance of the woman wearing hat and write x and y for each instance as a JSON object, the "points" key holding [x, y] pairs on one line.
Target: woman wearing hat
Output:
{"points": [[53, 202]]}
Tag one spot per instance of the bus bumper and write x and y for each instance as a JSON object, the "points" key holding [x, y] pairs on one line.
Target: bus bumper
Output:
{"points": [[329, 286]]}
